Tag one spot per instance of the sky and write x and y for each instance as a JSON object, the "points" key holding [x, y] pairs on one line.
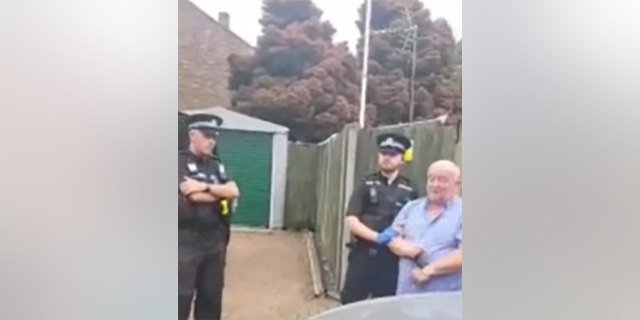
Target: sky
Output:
{"points": [[342, 13]]}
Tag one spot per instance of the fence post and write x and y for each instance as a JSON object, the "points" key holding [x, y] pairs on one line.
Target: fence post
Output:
{"points": [[351, 159], [458, 156], [459, 153]]}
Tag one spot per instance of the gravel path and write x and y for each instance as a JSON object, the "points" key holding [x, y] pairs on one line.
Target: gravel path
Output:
{"points": [[268, 278]]}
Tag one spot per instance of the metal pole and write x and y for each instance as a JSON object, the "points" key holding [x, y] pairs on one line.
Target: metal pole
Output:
{"points": [[365, 64], [414, 57]]}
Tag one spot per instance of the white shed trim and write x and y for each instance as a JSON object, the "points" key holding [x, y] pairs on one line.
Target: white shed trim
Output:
{"points": [[279, 179]]}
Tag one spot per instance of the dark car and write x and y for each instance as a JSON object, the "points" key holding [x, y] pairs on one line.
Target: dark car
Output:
{"points": [[418, 307]]}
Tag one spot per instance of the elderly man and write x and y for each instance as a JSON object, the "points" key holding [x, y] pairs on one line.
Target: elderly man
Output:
{"points": [[429, 238]]}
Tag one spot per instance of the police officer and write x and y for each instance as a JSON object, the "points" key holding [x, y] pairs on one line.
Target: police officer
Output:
{"points": [[202, 234], [377, 199]]}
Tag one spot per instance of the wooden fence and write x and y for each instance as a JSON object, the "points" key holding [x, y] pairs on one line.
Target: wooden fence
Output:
{"points": [[321, 179], [458, 156]]}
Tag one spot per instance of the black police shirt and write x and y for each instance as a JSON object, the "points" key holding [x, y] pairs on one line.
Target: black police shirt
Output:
{"points": [[376, 202], [199, 217]]}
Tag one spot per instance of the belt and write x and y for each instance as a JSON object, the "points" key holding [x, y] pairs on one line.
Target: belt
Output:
{"points": [[372, 249]]}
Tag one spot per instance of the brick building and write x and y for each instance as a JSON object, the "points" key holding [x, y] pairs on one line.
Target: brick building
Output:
{"points": [[204, 45]]}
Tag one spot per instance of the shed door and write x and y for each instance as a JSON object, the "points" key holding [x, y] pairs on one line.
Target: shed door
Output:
{"points": [[248, 158]]}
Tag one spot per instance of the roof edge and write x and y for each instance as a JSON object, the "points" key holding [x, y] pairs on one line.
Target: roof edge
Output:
{"points": [[262, 125], [215, 21]]}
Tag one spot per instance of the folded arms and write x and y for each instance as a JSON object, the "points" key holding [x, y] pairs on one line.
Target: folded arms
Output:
{"points": [[201, 192]]}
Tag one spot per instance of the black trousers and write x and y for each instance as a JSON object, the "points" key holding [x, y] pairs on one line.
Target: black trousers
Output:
{"points": [[201, 277], [372, 273]]}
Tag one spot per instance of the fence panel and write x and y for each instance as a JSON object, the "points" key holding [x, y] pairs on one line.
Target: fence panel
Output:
{"points": [[302, 179], [432, 142], [458, 157], [329, 223]]}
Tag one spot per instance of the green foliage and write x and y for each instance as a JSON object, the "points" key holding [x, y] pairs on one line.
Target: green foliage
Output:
{"points": [[298, 77], [456, 115], [457, 112], [391, 61], [458, 54]]}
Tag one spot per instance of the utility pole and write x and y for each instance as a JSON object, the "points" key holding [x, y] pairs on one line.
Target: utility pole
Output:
{"points": [[414, 58], [410, 34], [365, 64]]}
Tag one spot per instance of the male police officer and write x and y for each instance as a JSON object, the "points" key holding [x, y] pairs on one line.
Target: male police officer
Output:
{"points": [[202, 185], [375, 203]]}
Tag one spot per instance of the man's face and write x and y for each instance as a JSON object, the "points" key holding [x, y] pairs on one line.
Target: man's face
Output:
{"points": [[201, 143], [389, 160], [442, 184]]}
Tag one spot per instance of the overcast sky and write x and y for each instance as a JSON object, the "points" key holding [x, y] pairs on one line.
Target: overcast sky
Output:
{"points": [[342, 13]]}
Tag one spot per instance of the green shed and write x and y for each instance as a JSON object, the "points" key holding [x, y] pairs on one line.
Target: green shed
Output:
{"points": [[255, 156]]}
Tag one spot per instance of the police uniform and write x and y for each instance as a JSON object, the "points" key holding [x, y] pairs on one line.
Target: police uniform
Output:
{"points": [[376, 201], [202, 234]]}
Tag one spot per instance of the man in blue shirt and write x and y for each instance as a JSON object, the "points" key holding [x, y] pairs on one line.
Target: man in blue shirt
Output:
{"points": [[429, 235]]}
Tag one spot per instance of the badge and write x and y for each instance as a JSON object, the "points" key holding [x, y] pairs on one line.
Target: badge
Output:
{"points": [[192, 167]]}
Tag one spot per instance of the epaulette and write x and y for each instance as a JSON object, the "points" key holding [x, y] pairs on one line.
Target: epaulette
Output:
{"points": [[372, 175], [405, 183]]}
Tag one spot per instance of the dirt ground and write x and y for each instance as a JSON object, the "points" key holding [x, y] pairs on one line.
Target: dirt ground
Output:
{"points": [[268, 278]]}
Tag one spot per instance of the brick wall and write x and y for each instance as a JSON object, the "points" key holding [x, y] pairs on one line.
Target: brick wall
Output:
{"points": [[203, 48]]}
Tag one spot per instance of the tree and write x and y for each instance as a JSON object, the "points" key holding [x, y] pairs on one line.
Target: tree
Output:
{"points": [[458, 54], [298, 77], [458, 80], [390, 65], [456, 116]]}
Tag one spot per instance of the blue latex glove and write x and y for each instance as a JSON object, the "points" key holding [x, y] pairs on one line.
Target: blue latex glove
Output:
{"points": [[385, 237]]}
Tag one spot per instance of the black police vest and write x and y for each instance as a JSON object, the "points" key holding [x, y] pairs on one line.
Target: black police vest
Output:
{"points": [[201, 217], [384, 202]]}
